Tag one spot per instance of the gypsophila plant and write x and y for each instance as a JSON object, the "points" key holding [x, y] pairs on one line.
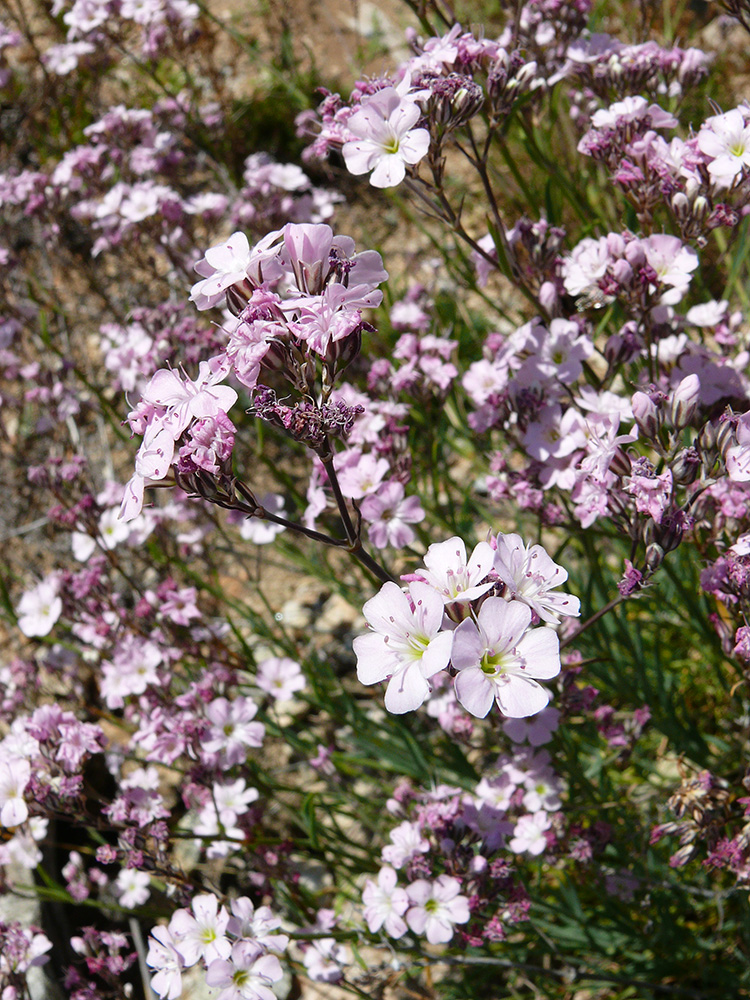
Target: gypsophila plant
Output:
{"points": [[404, 650]]}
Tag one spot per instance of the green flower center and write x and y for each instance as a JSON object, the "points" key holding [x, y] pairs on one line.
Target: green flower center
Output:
{"points": [[493, 663]]}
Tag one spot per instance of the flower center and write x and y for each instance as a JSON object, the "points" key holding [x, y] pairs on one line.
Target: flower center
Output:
{"points": [[493, 663]]}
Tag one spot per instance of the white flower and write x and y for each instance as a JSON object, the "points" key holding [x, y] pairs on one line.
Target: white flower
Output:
{"points": [[133, 887], [39, 608]]}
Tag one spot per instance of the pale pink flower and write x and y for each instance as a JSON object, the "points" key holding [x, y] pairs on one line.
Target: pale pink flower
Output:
{"points": [[175, 402], [280, 676], [202, 933], [248, 975], [673, 262], [406, 646], [653, 494], [233, 800], [632, 109], [385, 138], [537, 730], [15, 773], [389, 515], [528, 834], [726, 139], [738, 456], [222, 266], [436, 907], [406, 841], [232, 729], [257, 925], [531, 576], [324, 959], [385, 904], [451, 575], [164, 957], [363, 476], [498, 660], [133, 887], [39, 608]]}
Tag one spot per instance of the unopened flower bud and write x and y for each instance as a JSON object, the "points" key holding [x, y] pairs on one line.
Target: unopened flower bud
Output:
{"points": [[707, 437], [685, 401], [620, 463], [669, 533], [680, 205], [341, 353], [726, 437], [654, 556], [700, 207], [686, 466], [238, 295], [548, 297], [646, 414], [635, 254], [622, 272], [467, 103]]}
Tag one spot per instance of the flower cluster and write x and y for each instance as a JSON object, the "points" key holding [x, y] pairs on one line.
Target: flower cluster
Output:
{"points": [[233, 948], [474, 617]]}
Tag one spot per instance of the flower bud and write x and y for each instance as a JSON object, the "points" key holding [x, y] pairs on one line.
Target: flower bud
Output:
{"points": [[684, 401], [622, 272], [341, 353], [654, 557], [726, 437], [646, 414], [669, 533], [635, 254], [548, 297], [620, 463], [238, 295], [680, 205], [686, 466], [700, 207]]}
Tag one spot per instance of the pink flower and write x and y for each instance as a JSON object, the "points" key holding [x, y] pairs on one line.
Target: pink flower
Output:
{"points": [[389, 515], [15, 773], [537, 731], [222, 266], [528, 834], [164, 957], [406, 841], [653, 494], [133, 887], [280, 676], [202, 933], [385, 138], [385, 904], [232, 729], [673, 262], [498, 659], [436, 907], [451, 575], [39, 608], [174, 402], [531, 575], [406, 646], [247, 976], [258, 925], [726, 139]]}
